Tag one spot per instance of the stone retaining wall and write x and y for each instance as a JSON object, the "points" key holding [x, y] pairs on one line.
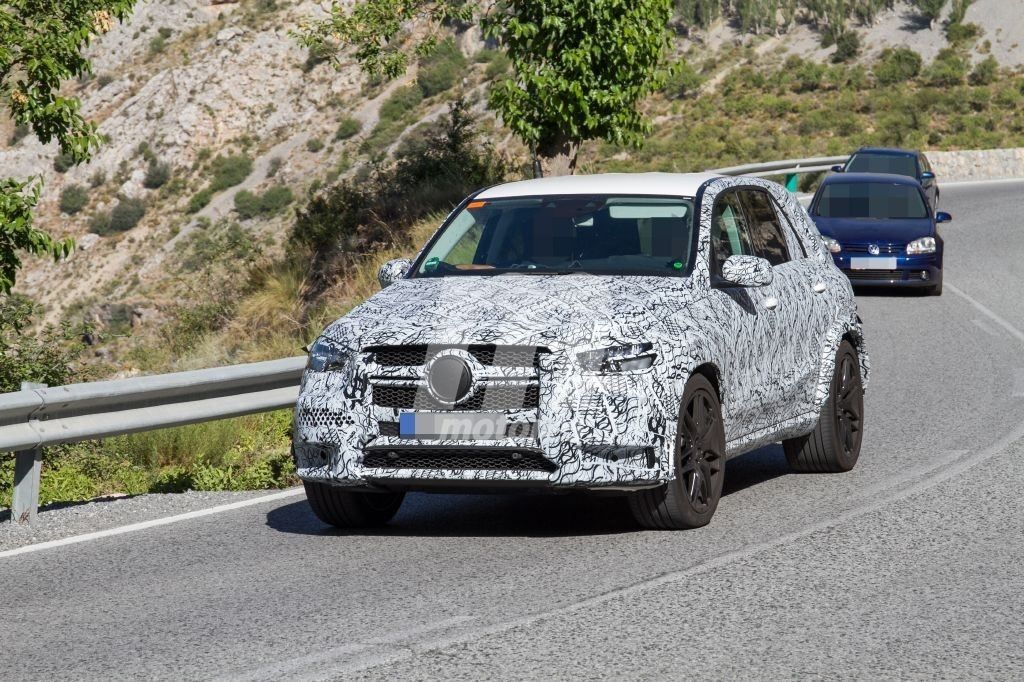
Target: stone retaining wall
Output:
{"points": [[984, 164]]}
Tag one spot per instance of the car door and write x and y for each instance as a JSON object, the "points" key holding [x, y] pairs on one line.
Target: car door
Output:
{"points": [[748, 323], [798, 317]]}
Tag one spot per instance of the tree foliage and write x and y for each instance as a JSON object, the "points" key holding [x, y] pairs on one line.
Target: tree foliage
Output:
{"points": [[580, 67], [41, 46]]}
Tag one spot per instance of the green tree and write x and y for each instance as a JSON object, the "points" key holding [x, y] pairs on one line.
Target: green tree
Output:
{"points": [[581, 68], [41, 45]]}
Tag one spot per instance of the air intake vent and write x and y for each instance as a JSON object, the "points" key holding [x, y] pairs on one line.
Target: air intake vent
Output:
{"points": [[486, 459]]}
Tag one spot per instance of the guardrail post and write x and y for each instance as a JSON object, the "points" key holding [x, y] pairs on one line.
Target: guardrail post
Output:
{"points": [[791, 184], [28, 465]]}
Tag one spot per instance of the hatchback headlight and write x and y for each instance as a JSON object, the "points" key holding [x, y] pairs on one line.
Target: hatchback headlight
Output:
{"points": [[626, 358], [327, 356], [922, 245], [831, 244]]}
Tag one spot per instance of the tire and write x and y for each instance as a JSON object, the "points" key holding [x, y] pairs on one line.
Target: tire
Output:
{"points": [[346, 509], [834, 446], [689, 500]]}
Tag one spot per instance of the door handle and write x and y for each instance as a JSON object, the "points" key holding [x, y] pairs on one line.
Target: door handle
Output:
{"points": [[819, 288], [771, 303]]}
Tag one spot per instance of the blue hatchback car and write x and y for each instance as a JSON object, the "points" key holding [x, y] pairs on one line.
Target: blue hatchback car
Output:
{"points": [[881, 230]]}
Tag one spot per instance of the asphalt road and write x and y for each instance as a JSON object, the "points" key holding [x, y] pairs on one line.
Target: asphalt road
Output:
{"points": [[909, 566]]}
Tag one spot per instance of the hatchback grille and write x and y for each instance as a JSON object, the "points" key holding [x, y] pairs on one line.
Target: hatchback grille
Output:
{"points": [[883, 249], [488, 459]]}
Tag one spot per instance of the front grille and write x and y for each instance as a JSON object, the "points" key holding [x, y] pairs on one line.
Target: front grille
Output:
{"points": [[388, 429], [493, 397], [487, 459], [512, 429], [485, 354], [883, 249], [892, 275]]}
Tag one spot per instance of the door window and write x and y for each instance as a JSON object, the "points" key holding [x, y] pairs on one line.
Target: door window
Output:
{"points": [[765, 229], [730, 233]]}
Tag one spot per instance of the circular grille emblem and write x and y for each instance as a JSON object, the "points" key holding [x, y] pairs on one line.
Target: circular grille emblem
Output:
{"points": [[873, 249], [449, 379]]}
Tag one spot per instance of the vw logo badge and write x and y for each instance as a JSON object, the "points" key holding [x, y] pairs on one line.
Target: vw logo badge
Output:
{"points": [[874, 250], [449, 379]]}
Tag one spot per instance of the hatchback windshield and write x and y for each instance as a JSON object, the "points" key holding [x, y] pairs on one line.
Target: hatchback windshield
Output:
{"points": [[878, 200], [545, 235], [890, 164]]}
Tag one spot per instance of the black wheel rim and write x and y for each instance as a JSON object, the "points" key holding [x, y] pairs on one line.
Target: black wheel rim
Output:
{"points": [[849, 405], [700, 453]]}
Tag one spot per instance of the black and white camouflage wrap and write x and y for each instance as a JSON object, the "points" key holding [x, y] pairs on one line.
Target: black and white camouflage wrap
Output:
{"points": [[773, 366]]}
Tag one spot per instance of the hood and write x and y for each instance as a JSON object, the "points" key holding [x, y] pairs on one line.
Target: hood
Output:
{"points": [[856, 231], [542, 310]]}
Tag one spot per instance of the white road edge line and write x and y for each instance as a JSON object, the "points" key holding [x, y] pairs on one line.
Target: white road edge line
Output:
{"points": [[143, 525]]}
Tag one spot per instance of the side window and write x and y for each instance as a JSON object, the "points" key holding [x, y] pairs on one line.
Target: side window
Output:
{"points": [[730, 234], [796, 244], [765, 229]]}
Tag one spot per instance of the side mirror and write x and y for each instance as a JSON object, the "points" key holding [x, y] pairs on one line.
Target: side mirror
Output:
{"points": [[392, 271], [927, 175], [837, 169], [943, 217], [747, 271]]}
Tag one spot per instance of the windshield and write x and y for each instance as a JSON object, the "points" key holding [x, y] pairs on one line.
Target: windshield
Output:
{"points": [[877, 200], [883, 163], [548, 235]]}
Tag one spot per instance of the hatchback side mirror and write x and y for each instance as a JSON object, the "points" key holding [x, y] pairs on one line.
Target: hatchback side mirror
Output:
{"points": [[927, 175], [392, 271], [837, 169], [943, 217], [747, 271]]}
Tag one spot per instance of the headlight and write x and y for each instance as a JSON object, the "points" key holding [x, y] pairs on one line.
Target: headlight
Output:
{"points": [[625, 358], [326, 356], [831, 244], [922, 245]]}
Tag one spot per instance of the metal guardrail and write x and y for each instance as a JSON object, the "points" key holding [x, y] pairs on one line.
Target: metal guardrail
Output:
{"points": [[37, 416]]}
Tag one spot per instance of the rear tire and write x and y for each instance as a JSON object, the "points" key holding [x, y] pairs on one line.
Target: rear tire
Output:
{"points": [[689, 500], [834, 445], [347, 509]]}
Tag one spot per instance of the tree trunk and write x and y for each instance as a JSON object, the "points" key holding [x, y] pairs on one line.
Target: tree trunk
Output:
{"points": [[555, 159]]}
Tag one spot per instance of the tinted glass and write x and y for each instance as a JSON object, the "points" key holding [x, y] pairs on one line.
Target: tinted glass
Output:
{"points": [[877, 200], [765, 230], [730, 233], [598, 234], [883, 163]]}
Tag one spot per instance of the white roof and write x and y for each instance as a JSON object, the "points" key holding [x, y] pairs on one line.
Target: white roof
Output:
{"points": [[659, 184]]}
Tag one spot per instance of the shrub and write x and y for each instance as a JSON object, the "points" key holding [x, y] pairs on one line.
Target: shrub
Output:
{"points": [[402, 101], [73, 199], [229, 171], [498, 66], [684, 81], [249, 205], [157, 175], [100, 223], [847, 47], [441, 69], [126, 214], [274, 166], [897, 65], [959, 34], [98, 178], [246, 204], [48, 357], [104, 79], [348, 127], [314, 144], [948, 69], [199, 200], [985, 72], [157, 45], [63, 162]]}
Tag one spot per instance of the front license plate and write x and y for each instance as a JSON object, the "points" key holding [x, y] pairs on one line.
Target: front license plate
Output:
{"points": [[872, 263], [451, 426]]}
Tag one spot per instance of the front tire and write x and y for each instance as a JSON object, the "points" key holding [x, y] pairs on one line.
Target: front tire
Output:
{"points": [[689, 500], [834, 445], [347, 509]]}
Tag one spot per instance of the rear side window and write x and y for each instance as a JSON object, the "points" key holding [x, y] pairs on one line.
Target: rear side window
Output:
{"points": [[730, 233], [883, 163], [765, 228]]}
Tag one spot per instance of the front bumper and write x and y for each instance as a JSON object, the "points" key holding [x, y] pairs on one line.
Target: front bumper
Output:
{"points": [[910, 271], [585, 431]]}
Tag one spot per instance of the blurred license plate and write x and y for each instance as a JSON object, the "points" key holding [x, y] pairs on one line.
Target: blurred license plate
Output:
{"points": [[451, 426], [872, 263]]}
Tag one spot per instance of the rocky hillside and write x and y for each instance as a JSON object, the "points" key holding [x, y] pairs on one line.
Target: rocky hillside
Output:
{"points": [[216, 117]]}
